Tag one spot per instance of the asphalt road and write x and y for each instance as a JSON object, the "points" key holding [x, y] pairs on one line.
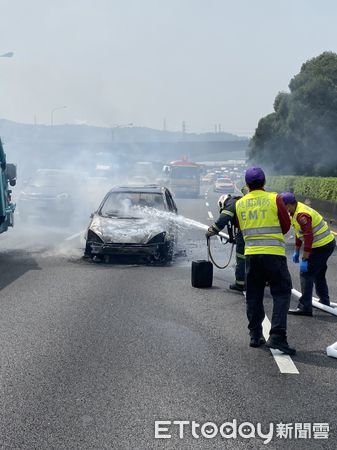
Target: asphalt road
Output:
{"points": [[92, 355]]}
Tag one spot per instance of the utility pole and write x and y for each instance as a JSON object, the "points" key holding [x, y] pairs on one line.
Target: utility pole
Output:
{"points": [[183, 127], [164, 125], [215, 128]]}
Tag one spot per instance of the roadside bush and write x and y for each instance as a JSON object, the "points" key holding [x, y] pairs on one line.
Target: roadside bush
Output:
{"points": [[320, 188]]}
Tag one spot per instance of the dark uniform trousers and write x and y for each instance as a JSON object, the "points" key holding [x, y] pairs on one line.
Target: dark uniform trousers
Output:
{"points": [[274, 270], [317, 267]]}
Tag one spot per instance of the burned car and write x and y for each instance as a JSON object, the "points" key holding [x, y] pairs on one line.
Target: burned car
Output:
{"points": [[132, 221]]}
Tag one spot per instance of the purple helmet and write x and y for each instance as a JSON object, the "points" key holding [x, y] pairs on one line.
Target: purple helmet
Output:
{"points": [[254, 174], [288, 197]]}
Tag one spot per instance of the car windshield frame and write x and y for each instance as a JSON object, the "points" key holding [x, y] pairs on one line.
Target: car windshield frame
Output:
{"points": [[131, 206]]}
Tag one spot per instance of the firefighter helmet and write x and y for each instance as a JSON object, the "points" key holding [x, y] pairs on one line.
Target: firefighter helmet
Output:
{"points": [[222, 201]]}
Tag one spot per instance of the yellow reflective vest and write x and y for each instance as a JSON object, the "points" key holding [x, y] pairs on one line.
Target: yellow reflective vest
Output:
{"points": [[320, 229], [257, 214]]}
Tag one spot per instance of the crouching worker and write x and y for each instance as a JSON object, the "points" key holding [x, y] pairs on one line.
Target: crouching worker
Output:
{"points": [[228, 218], [319, 244]]}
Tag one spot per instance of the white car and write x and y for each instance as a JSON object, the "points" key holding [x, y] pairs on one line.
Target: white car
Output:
{"points": [[224, 185]]}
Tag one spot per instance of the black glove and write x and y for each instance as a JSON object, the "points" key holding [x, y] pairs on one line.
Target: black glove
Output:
{"points": [[210, 232]]}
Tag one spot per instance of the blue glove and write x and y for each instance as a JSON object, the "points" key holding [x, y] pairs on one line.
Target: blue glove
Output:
{"points": [[296, 256], [304, 266]]}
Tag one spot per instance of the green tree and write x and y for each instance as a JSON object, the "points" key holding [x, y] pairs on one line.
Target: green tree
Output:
{"points": [[300, 136]]}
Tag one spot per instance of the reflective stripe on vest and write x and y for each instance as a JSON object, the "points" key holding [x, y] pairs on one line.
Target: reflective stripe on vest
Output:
{"points": [[262, 230], [228, 213], [257, 213], [320, 229], [265, 242], [321, 236], [316, 228]]}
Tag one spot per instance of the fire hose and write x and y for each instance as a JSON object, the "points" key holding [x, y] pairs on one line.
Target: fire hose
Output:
{"points": [[224, 240]]}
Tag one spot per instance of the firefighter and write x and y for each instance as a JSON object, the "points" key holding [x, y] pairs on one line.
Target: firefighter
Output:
{"points": [[263, 220], [319, 244], [227, 218]]}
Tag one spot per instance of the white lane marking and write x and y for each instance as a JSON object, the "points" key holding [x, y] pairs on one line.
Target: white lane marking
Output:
{"points": [[284, 362], [74, 236], [210, 215], [207, 204]]}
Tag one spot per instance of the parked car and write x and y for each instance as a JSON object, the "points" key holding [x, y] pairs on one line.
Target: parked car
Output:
{"points": [[52, 195], [127, 223], [224, 185]]}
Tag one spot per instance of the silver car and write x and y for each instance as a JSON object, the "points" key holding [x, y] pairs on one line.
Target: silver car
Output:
{"points": [[133, 221]]}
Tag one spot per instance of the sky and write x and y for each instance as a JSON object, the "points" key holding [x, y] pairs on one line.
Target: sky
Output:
{"points": [[114, 62]]}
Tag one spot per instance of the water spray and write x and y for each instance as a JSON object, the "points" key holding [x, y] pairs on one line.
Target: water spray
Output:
{"points": [[185, 222]]}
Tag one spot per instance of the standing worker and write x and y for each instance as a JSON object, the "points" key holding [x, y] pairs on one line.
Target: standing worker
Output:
{"points": [[263, 220], [228, 218], [319, 244]]}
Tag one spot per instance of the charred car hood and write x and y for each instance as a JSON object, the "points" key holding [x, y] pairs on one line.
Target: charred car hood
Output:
{"points": [[126, 231]]}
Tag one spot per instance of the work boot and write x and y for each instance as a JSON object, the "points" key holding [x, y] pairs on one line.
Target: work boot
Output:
{"points": [[236, 287], [278, 342], [257, 341], [324, 302]]}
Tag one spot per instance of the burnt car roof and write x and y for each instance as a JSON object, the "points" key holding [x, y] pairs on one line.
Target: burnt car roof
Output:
{"points": [[148, 188]]}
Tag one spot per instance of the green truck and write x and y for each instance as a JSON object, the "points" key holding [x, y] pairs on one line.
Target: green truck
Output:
{"points": [[8, 178]]}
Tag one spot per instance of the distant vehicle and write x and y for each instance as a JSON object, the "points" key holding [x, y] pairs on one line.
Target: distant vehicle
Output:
{"points": [[208, 178], [104, 166], [184, 178], [224, 185], [127, 224], [139, 180], [7, 178], [52, 194]]}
